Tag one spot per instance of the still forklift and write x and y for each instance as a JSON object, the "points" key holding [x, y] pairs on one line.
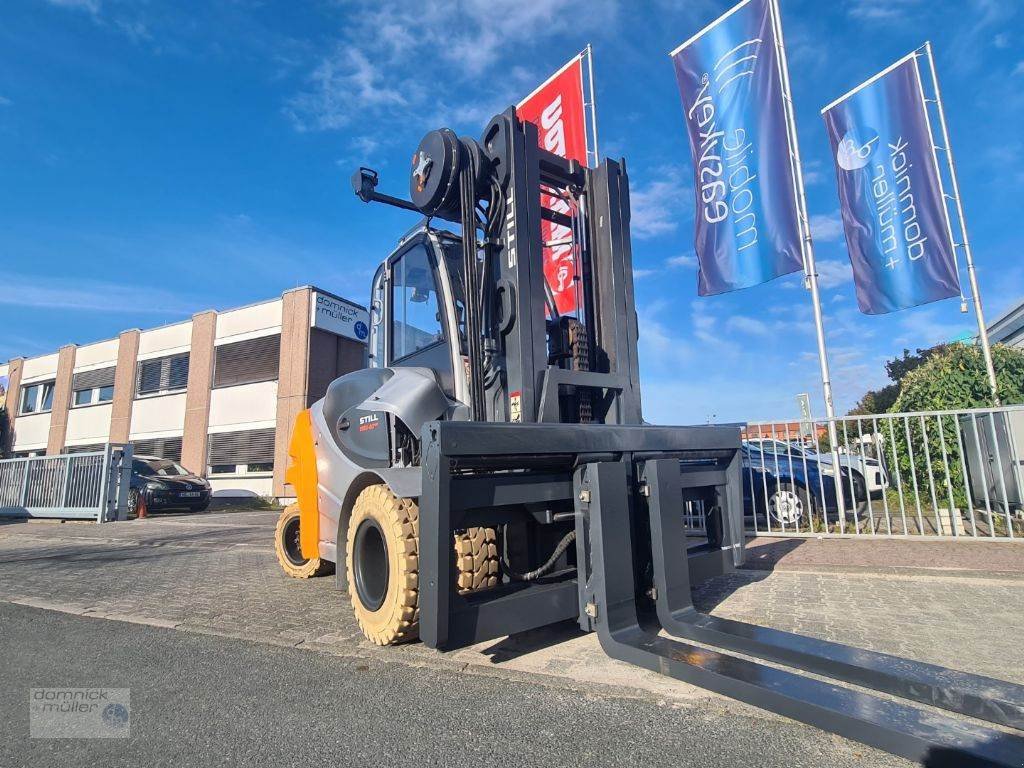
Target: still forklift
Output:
{"points": [[491, 471]]}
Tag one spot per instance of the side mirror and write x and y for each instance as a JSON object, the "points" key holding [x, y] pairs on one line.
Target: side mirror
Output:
{"points": [[364, 182]]}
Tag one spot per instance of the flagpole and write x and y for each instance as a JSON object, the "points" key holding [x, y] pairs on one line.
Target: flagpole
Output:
{"points": [[965, 241], [593, 101], [810, 270]]}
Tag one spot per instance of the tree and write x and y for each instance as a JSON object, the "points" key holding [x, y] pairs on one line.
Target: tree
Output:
{"points": [[899, 367], [881, 400]]}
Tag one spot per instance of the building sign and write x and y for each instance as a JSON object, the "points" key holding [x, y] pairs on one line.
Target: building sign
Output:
{"points": [[340, 317]]}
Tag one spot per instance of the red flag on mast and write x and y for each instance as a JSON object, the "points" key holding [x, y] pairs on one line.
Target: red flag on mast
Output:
{"points": [[557, 109]]}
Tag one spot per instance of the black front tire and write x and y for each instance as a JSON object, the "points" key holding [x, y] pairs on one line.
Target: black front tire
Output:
{"points": [[133, 503]]}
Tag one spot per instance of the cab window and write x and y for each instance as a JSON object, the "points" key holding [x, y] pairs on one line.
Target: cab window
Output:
{"points": [[415, 311]]}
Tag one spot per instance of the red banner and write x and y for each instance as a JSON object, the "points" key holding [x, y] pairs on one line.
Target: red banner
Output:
{"points": [[556, 108]]}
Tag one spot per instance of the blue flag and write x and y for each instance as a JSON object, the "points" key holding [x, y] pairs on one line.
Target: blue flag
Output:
{"points": [[747, 221], [894, 212]]}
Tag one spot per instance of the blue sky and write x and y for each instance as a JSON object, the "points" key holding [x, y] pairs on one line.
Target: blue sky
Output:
{"points": [[163, 157]]}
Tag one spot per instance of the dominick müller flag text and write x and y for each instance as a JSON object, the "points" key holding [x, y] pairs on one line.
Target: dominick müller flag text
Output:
{"points": [[890, 192], [730, 80]]}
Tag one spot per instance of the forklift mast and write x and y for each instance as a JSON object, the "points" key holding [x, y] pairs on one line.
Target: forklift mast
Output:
{"points": [[525, 363]]}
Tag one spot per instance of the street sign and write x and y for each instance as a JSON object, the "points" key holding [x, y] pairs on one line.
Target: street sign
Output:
{"points": [[803, 402]]}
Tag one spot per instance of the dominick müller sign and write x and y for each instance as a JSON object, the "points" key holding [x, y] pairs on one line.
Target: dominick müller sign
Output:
{"points": [[557, 109], [890, 191], [340, 317], [747, 220]]}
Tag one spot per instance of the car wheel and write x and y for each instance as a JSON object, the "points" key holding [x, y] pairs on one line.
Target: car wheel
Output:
{"points": [[789, 505], [133, 503]]}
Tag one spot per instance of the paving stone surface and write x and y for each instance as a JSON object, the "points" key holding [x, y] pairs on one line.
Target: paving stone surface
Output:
{"points": [[217, 574]]}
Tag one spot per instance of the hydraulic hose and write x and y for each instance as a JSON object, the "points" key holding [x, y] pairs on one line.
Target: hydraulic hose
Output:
{"points": [[563, 545]]}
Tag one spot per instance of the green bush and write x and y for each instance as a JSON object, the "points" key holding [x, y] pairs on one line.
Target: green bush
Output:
{"points": [[955, 379], [952, 379]]}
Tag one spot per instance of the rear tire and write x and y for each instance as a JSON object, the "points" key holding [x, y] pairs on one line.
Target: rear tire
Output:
{"points": [[382, 564], [476, 551], [288, 551]]}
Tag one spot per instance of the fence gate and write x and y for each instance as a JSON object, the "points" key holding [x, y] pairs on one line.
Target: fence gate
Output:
{"points": [[942, 474], [71, 486]]}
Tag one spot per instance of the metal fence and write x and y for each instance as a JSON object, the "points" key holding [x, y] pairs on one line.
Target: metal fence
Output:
{"points": [[87, 486], [940, 474]]}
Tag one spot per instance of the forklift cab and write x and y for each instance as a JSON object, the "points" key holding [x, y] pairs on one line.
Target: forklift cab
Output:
{"points": [[417, 312]]}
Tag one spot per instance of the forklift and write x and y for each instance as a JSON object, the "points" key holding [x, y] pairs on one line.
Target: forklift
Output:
{"points": [[490, 472]]}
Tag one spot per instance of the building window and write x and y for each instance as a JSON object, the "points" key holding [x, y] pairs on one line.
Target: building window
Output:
{"points": [[91, 448], [93, 396], [162, 374], [91, 387], [247, 362], [37, 398], [161, 447], [246, 452]]}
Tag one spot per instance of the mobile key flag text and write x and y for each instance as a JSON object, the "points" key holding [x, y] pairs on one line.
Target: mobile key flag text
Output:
{"points": [[730, 80], [890, 192]]}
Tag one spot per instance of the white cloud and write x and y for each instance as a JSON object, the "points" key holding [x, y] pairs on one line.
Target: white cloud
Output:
{"points": [[5, 102], [345, 86], [926, 327], [640, 274], [683, 260], [813, 173], [748, 325], [433, 60], [662, 348], [91, 296], [708, 331], [656, 207], [827, 228], [881, 10], [1001, 40], [832, 273], [1019, 69]]}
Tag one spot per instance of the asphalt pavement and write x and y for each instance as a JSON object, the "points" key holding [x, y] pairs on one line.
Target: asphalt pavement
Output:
{"points": [[208, 700]]}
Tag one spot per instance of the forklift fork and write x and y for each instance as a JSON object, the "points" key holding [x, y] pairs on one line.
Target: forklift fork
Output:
{"points": [[605, 519], [982, 697]]}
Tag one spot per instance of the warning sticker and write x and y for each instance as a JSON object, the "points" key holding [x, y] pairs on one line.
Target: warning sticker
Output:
{"points": [[515, 406]]}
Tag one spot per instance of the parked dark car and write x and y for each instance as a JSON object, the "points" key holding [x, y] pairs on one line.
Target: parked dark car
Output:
{"points": [[788, 488], [165, 484]]}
